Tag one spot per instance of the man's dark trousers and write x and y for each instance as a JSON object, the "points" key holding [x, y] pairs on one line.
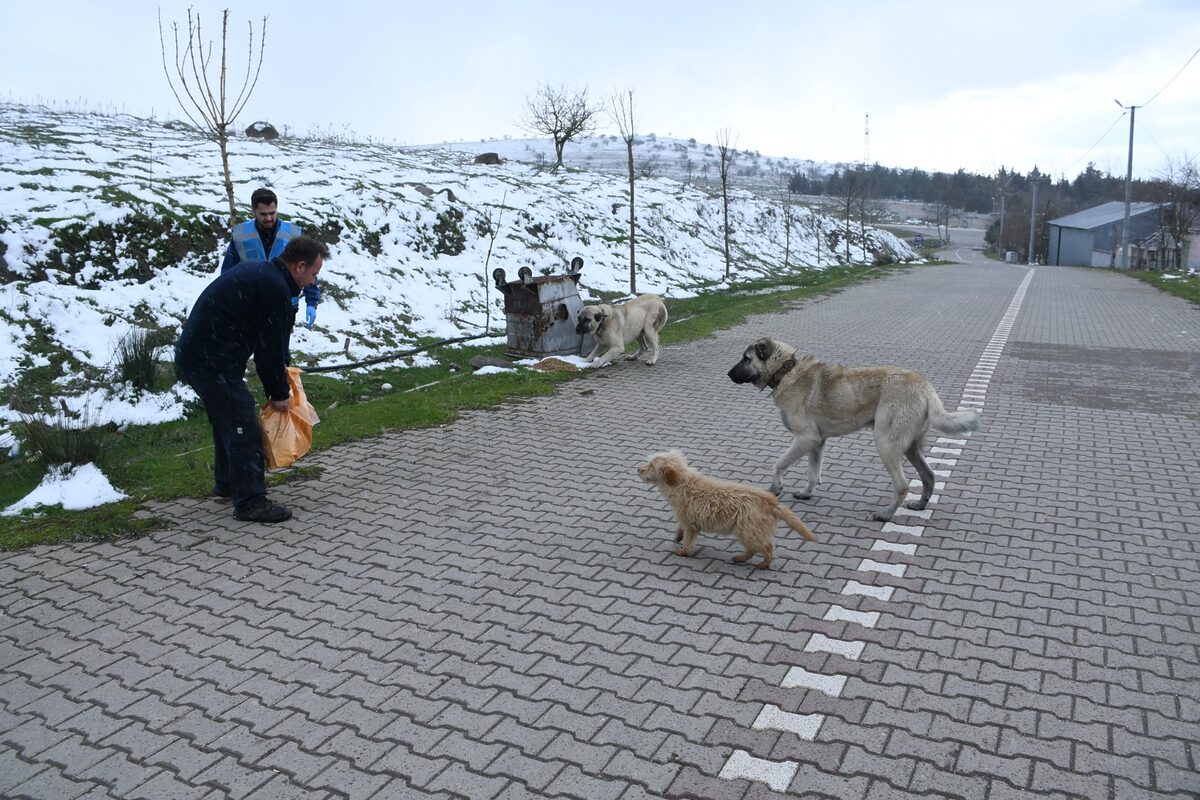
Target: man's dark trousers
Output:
{"points": [[239, 459]]}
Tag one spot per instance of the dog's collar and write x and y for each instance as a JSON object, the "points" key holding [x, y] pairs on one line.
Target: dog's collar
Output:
{"points": [[784, 369]]}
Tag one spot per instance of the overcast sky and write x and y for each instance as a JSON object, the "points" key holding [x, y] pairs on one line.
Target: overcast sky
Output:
{"points": [[948, 84]]}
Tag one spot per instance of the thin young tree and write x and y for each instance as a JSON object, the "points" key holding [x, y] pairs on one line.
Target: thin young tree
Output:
{"points": [[561, 114], [788, 217], [621, 110], [191, 72], [853, 183], [725, 153]]}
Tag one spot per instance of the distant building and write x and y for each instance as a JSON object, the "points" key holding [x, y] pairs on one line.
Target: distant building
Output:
{"points": [[1092, 238]]}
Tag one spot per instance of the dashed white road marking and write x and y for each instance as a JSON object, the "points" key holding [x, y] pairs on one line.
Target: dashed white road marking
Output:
{"points": [[800, 678], [775, 718], [896, 570], [776, 774], [892, 547], [923, 513], [868, 619], [846, 648], [878, 592], [910, 530]]}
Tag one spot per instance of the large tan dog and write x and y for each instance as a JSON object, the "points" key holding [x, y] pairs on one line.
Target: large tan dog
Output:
{"points": [[819, 401], [703, 503], [615, 327]]}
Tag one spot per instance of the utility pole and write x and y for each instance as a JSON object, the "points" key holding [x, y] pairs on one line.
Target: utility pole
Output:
{"points": [[1000, 234], [1128, 190], [867, 140], [1032, 222]]}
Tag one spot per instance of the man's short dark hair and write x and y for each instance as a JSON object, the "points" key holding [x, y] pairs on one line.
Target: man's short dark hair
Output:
{"points": [[263, 197], [303, 248]]}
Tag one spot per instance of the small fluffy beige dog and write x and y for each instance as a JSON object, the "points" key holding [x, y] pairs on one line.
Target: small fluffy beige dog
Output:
{"points": [[703, 503]]}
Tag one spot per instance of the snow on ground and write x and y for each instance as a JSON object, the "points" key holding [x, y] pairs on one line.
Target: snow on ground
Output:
{"points": [[73, 488], [410, 232]]}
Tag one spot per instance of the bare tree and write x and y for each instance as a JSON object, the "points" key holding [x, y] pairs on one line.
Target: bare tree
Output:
{"points": [[725, 152], [788, 218], [853, 184], [621, 110], [560, 114], [206, 107], [1180, 196]]}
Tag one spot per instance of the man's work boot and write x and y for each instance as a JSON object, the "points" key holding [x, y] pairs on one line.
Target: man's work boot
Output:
{"points": [[262, 510]]}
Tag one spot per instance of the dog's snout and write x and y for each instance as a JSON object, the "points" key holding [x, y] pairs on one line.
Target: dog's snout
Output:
{"points": [[738, 373]]}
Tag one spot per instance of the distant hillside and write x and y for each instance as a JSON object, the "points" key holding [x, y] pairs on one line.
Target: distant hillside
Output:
{"points": [[111, 222], [683, 160]]}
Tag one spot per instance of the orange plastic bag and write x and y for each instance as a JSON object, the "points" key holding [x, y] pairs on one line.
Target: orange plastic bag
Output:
{"points": [[287, 435]]}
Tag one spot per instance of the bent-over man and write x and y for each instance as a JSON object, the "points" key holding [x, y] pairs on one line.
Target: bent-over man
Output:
{"points": [[245, 311]]}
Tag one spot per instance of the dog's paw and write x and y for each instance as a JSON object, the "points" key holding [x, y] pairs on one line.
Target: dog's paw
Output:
{"points": [[804, 495], [651, 363], [916, 505], [681, 551], [883, 516]]}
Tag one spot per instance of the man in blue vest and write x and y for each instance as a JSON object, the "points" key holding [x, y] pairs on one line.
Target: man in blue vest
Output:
{"points": [[245, 311], [263, 238]]}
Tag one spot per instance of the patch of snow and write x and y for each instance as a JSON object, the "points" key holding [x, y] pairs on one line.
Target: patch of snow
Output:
{"points": [[73, 488]]}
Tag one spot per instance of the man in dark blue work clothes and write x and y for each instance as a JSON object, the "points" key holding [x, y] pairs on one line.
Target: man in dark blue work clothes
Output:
{"points": [[246, 311]]}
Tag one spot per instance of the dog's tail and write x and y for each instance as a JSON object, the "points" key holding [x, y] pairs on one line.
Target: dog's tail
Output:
{"points": [[660, 318], [785, 514], [951, 421]]}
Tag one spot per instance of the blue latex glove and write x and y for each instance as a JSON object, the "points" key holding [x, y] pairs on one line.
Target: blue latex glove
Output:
{"points": [[310, 316]]}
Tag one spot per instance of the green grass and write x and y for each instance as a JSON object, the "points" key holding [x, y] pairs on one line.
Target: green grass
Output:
{"points": [[1180, 284], [172, 460]]}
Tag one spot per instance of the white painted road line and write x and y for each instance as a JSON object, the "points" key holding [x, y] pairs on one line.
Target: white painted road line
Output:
{"points": [[895, 570], [892, 547], [878, 592], [868, 619], [820, 643], [776, 719], [912, 512], [959, 442], [800, 678], [910, 530], [776, 774]]}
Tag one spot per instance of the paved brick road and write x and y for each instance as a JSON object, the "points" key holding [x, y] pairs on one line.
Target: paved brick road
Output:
{"points": [[492, 609]]}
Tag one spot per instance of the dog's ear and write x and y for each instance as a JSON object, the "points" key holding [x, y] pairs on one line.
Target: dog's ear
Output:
{"points": [[763, 349], [670, 476]]}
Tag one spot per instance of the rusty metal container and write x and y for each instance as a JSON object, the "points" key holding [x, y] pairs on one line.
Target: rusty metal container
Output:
{"points": [[541, 311]]}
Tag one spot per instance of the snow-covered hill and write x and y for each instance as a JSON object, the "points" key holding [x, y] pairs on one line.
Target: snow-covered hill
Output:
{"points": [[683, 160], [114, 222]]}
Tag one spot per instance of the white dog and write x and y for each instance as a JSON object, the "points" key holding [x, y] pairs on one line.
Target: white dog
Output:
{"points": [[615, 327]]}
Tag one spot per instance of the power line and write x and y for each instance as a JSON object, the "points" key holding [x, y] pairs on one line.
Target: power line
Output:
{"points": [[1142, 127], [1168, 83], [1098, 141]]}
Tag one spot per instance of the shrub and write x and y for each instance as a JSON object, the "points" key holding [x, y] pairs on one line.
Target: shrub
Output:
{"points": [[450, 238], [135, 362], [63, 442]]}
